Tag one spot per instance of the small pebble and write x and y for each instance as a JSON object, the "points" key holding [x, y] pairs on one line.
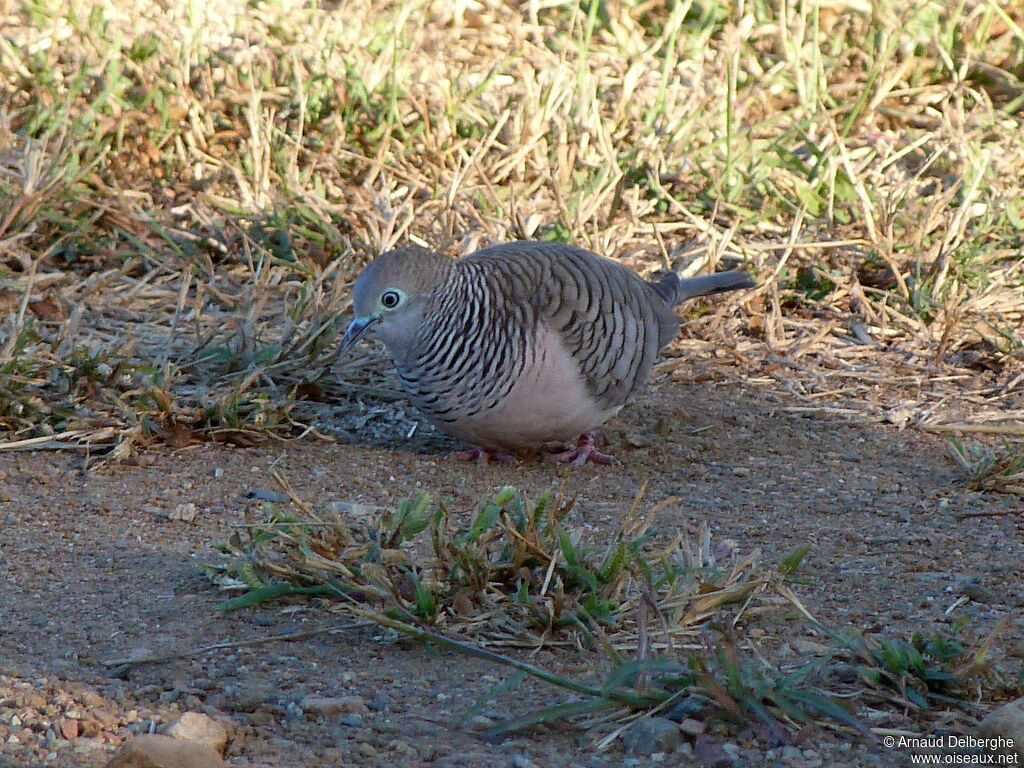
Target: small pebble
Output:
{"points": [[199, 729], [274, 497], [651, 734], [186, 513], [692, 727], [380, 704], [792, 754]]}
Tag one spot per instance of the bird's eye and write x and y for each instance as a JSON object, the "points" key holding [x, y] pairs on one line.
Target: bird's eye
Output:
{"points": [[390, 299]]}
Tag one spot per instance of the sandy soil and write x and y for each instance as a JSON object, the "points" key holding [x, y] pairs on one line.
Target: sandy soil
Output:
{"points": [[94, 568]]}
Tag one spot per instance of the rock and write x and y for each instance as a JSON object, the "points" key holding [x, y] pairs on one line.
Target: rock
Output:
{"points": [[262, 717], [68, 728], [978, 593], [185, 512], [808, 647], [327, 706], [245, 698], [651, 734], [198, 728], [791, 754], [99, 719], [366, 750], [481, 723], [259, 494], [140, 653], [692, 727], [709, 754], [381, 704], [159, 751], [1006, 722], [83, 746], [685, 708], [403, 748]]}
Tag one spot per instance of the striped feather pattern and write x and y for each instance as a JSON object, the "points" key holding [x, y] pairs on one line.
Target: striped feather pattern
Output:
{"points": [[478, 331]]}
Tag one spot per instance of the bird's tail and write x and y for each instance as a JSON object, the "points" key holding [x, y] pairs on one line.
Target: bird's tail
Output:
{"points": [[675, 289]]}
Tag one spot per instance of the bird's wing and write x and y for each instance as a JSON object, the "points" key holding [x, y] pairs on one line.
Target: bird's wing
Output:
{"points": [[611, 321]]}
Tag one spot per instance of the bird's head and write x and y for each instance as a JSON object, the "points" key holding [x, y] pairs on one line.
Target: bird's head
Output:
{"points": [[391, 293]]}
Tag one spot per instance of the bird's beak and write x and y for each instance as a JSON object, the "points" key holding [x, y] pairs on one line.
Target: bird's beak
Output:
{"points": [[355, 332]]}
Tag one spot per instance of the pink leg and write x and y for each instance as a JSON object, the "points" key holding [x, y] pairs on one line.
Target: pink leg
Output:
{"points": [[481, 456], [584, 450]]}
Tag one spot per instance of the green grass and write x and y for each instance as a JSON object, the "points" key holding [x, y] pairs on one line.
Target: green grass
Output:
{"points": [[991, 469], [515, 560]]}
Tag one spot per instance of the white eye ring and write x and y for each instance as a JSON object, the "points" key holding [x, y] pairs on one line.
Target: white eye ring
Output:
{"points": [[390, 298]]}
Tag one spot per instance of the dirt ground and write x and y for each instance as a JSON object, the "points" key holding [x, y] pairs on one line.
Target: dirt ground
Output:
{"points": [[94, 567]]}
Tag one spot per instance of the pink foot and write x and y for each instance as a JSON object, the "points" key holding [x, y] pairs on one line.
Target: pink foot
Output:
{"points": [[481, 456], [584, 450]]}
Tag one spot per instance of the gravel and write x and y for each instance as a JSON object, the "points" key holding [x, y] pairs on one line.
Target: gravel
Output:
{"points": [[94, 570]]}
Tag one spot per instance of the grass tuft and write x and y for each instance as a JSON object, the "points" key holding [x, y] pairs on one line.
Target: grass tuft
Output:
{"points": [[991, 469], [514, 575], [672, 623]]}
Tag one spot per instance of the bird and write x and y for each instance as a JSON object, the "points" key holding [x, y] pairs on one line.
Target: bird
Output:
{"points": [[520, 344]]}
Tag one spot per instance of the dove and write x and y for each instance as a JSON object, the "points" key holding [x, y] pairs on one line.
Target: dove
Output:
{"points": [[523, 343]]}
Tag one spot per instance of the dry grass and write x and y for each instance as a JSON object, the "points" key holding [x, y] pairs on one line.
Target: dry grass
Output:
{"points": [[181, 212], [990, 469]]}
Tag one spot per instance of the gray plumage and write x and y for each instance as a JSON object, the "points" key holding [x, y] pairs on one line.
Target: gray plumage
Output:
{"points": [[521, 343]]}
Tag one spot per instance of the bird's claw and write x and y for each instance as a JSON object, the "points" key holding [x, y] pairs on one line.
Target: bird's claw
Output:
{"points": [[585, 451], [481, 456]]}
